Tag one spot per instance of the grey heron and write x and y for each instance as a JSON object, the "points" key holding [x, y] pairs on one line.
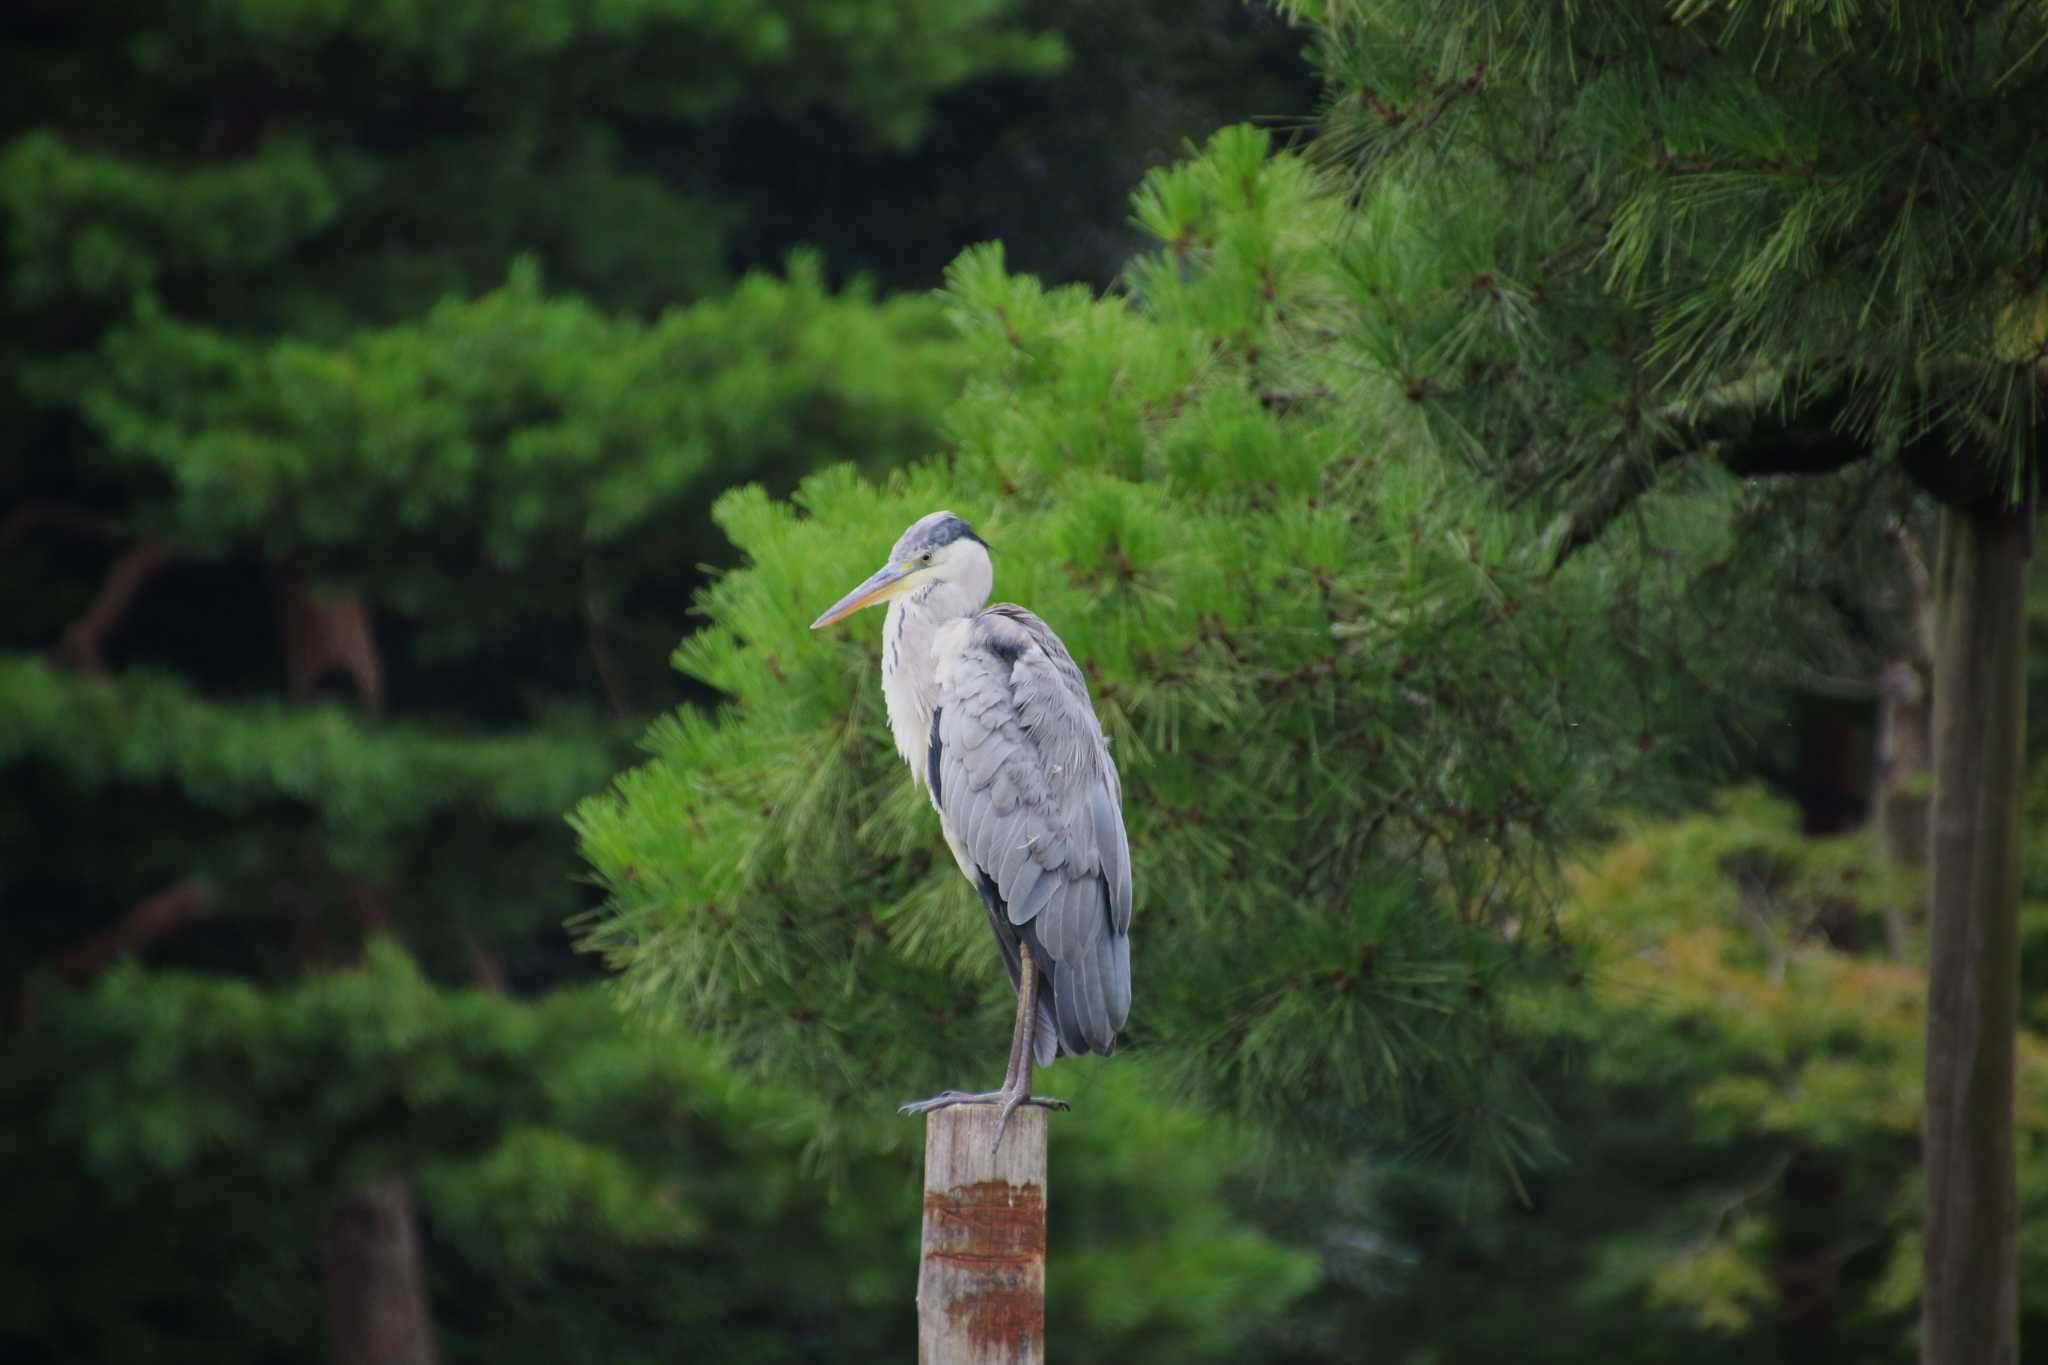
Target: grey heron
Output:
{"points": [[994, 719]]}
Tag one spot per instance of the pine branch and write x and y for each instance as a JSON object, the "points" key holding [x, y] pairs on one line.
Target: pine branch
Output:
{"points": [[82, 641], [322, 633], [1922, 585], [1748, 441], [31, 515], [1621, 482], [486, 970], [149, 921], [597, 629]]}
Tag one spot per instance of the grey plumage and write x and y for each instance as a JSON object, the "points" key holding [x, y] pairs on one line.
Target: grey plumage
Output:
{"points": [[993, 717], [1031, 802]]}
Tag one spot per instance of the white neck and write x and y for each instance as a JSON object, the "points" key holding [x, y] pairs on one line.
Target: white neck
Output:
{"points": [[910, 683]]}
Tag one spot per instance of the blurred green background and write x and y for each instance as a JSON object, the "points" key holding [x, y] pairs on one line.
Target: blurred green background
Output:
{"points": [[453, 908]]}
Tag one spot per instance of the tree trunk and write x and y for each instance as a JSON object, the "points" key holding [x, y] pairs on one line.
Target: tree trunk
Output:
{"points": [[1969, 1297], [370, 1258], [369, 1245], [1806, 1263], [321, 632], [1903, 799], [1905, 755], [1901, 803]]}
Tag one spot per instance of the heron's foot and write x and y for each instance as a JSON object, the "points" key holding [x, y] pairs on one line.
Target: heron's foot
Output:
{"points": [[1011, 1099], [946, 1099], [949, 1098]]}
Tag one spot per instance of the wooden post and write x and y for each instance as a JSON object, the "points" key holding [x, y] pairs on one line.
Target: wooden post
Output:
{"points": [[981, 1278]]}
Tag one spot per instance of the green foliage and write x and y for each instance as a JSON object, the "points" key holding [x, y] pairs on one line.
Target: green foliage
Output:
{"points": [[1776, 239], [587, 1193], [1353, 711], [366, 781], [1664, 227], [1738, 1076], [398, 804], [1047, 165], [879, 63], [518, 435], [311, 330], [275, 303], [1138, 1272], [529, 103], [100, 228], [286, 398]]}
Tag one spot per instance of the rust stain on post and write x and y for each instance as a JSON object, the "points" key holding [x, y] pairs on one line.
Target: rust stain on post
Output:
{"points": [[996, 1233], [981, 1283]]}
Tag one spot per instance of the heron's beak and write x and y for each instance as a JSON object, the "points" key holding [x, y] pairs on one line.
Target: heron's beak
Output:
{"points": [[882, 585]]}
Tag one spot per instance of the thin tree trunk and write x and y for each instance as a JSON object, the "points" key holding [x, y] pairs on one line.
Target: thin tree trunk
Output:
{"points": [[1969, 1296], [1903, 799], [1806, 1264], [325, 631], [369, 1243], [370, 1258], [84, 641], [1901, 802]]}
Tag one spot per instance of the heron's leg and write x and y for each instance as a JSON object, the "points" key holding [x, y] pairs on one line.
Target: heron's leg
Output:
{"points": [[1024, 1024], [1017, 1080], [1017, 1075]]}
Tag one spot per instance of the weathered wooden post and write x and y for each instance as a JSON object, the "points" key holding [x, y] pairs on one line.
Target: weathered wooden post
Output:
{"points": [[981, 1279]]}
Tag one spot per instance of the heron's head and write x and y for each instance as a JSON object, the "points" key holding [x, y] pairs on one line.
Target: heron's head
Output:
{"points": [[939, 554]]}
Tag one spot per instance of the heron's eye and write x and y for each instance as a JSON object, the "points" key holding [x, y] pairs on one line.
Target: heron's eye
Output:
{"points": [[927, 557]]}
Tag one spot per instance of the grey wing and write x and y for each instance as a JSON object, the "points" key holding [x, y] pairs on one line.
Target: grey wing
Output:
{"points": [[1032, 801]]}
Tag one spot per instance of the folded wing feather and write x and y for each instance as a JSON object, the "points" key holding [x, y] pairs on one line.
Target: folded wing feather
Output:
{"points": [[1032, 799]]}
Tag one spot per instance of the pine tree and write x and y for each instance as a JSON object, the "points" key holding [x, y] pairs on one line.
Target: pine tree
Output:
{"points": [[589, 1193], [410, 511], [1355, 711], [288, 412], [1784, 239], [1742, 1085]]}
